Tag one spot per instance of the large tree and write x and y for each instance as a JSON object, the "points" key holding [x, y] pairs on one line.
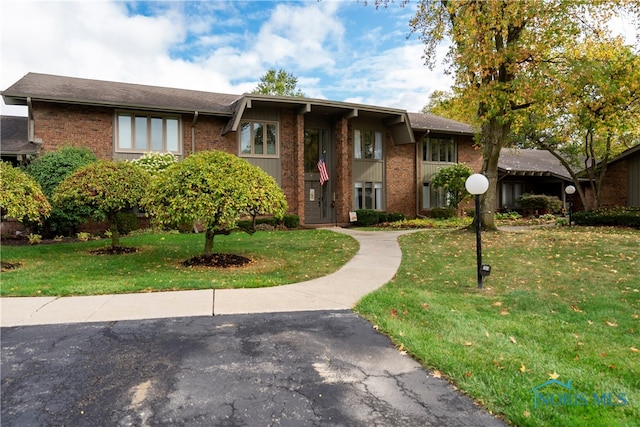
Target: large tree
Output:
{"points": [[500, 52], [106, 188], [21, 198], [214, 188], [595, 114], [280, 83]]}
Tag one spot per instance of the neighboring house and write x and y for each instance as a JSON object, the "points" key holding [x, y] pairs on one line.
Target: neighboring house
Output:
{"points": [[621, 185], [379, 158], [527, 171], [15, 146]]}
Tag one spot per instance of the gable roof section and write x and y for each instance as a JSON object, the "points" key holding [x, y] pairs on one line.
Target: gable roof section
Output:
{"points": [[528, 162], [73, 90], [14, 136]]}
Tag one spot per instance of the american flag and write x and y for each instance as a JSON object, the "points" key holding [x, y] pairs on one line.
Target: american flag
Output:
{"points": [[322, 168]]}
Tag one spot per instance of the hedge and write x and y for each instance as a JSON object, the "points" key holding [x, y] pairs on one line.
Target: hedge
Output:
{"points": [[614, 216]]}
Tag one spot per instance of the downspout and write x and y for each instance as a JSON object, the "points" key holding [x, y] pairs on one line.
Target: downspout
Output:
{"points": [[193, 132], [419, 178]]}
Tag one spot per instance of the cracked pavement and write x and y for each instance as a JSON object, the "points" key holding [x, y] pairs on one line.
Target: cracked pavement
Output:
{"points": [[286, 369]]}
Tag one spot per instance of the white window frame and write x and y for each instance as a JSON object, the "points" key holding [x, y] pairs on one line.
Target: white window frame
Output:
{"points": [[376, 153], [252, 124], [433, 198], [135, 130], [376, 195]]}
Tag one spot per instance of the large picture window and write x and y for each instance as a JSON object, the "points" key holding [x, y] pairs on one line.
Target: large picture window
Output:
{"points": [[367, 144], [259, 139], [439, 149], [140, 133]]}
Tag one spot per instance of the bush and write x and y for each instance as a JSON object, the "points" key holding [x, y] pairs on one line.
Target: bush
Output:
{"points": [[127, 222], [291, 221], [367, 217], [395, 217], [532, 202], [443, 213], [615, 216], [507, 215]]}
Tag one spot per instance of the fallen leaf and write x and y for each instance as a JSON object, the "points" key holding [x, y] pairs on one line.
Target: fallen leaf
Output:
{"points": [[436, 374], [376, 327], [635, 350], [523, 368], [513, 340], [611, 324], [526, 414], [497, 304], [504, 312], [468, 343], [576, 308], [467, 374], [394, 312], [554, 376], [603, 354], [425, 306], [486, 333]]}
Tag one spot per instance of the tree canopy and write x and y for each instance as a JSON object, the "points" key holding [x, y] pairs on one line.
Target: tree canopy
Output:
{"points": [[452, 179], [213, 188], [501, 53], [21, 197], [106, 188], [280, 83]]}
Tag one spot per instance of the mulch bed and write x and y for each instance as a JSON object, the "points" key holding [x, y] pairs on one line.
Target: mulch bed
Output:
{"points": [[6, 266], [216, 260], [114, 250]]}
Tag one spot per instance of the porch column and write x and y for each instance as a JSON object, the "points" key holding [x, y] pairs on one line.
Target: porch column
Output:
{"points": [[342, 183]]}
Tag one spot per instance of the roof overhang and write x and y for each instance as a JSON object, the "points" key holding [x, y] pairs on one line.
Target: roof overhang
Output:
{"points": [[394, 119]]}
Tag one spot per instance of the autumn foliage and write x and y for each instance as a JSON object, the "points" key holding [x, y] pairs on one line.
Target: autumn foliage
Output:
{"points": [[21, 197]]}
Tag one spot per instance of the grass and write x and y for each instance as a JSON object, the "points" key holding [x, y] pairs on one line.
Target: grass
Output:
{"points": [[279, 257], [559, 302]]}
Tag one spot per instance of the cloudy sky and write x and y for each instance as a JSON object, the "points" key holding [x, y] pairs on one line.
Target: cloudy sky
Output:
{"points": [[339, 50]]}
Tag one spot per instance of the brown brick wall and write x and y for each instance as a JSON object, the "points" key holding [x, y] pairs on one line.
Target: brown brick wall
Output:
{"points": [[401, 178], [59, 125], [343, 157], [469, 154], [614, 188]]}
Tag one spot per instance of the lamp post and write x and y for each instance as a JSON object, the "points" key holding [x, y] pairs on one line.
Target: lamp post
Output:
{"points": [[570, 190], [478, 184]]}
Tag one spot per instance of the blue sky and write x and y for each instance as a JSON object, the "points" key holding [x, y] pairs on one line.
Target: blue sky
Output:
{"points": [[339, 50]]}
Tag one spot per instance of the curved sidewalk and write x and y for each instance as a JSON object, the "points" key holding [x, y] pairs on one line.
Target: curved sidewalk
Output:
{"points": [[375, 263]]}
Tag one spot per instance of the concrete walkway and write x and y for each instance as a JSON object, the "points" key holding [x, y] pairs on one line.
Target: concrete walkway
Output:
{"points": [[375, 264]]}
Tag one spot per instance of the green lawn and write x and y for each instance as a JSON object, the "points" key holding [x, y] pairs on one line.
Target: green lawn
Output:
{"points": [[562, 301], [279, 257]]}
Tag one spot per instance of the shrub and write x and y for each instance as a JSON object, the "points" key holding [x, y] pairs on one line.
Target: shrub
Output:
{"points": [[34, 238], [614, 216], [367, 217], [21, 197], [127, 222], [291, 221], [507, 215], [395, 217], [532, 202], [443, 213], [154, 163]]}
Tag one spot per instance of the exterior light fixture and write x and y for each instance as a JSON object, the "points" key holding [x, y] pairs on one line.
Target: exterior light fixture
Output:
{"points": [[570, 190], [478, 184]]}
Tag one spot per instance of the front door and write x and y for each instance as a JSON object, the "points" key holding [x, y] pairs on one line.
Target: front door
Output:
{"points": [[318, 197]]}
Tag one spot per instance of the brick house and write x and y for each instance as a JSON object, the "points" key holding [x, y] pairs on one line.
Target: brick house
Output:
{"points": [[377, 157]]}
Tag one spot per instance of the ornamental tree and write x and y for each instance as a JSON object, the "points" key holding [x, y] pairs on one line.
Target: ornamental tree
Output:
{"points": [[452, 179], [214, 188], [21, 197], [106, 188], [155, 163]]}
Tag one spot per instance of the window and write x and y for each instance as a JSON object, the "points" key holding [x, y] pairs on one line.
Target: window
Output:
{"points": [[368, 195], [439, 149], [510, 193], [367, 144], [433, 198], [259, 139], [141, 133]]}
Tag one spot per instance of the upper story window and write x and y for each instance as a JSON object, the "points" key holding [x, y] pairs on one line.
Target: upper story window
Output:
{"points": [[439, 149], [367, 144], [141, 133], [259, 139]]}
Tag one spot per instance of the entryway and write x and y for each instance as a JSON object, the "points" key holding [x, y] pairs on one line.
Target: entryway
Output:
{"points": [[318, 205]]}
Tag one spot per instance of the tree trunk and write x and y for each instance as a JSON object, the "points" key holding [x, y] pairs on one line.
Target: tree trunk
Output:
{"points": [[493, 136], [208, 242], [113, 228]]}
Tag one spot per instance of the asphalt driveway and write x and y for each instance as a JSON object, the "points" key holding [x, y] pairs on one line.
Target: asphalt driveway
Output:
{"points": [[321, 368]]}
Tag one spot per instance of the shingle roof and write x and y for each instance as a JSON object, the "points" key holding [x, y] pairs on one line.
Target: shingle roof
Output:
{"points": [[14, 136], [432, 123], [533, 162], [99, 92]]}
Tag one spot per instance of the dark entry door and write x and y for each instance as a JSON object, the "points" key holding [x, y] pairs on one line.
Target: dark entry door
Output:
{"points": [[318, 198]]}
